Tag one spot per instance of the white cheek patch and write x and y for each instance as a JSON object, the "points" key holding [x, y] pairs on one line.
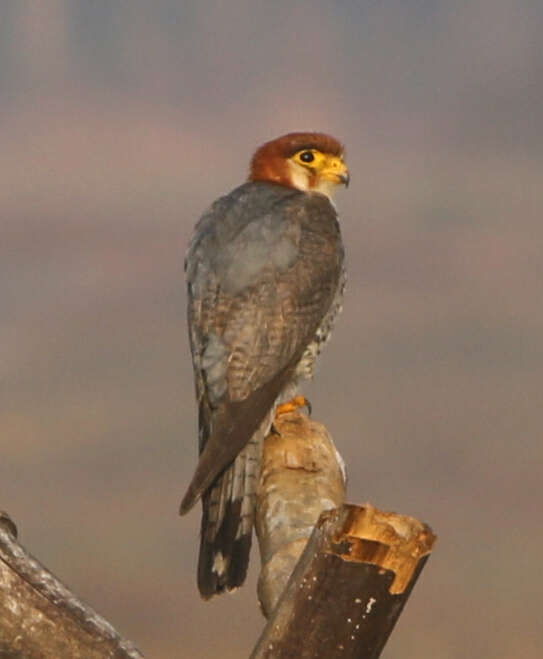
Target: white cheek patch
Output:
{"points": [[299, 177]]}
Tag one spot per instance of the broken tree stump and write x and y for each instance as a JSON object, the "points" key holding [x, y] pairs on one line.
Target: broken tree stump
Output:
{"points": [[347, 585]]}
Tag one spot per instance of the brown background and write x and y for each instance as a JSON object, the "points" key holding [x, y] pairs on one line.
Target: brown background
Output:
{"points": [[119, 123]]}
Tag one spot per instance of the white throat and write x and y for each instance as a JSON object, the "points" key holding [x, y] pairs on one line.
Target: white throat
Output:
{"points": [[299, 177]]}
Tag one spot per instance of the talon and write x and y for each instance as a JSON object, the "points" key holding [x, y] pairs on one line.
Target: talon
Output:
{"points": [[292, 405]]}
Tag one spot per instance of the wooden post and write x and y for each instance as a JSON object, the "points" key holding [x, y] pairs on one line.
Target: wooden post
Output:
{"points": [[335, 595], [334, 577], [301, 476], [348, 588]]}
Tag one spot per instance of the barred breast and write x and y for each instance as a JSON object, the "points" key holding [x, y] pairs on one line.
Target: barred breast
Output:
{"points": [[304, 370]]}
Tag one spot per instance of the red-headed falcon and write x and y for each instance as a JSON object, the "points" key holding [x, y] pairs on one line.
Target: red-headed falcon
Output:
{"points": [[265, 281]]}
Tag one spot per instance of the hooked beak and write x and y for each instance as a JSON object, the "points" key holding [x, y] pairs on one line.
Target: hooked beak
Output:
{"points": [[336, 171], [345, 179]]}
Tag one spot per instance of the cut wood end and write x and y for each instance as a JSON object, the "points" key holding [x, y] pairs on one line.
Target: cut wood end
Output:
{"points": [[391, 541]]}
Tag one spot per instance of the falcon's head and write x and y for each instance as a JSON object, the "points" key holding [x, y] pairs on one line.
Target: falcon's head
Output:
{"points": [[312, 162]]}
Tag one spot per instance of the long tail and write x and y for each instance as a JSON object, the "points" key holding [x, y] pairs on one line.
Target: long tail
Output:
{"points": [[227, 523]]}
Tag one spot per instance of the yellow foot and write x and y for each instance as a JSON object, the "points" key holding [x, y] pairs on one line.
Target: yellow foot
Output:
{"points": [[293, 405]]}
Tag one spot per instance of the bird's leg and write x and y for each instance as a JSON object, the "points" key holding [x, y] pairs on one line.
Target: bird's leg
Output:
{"points": [[292, 405]]}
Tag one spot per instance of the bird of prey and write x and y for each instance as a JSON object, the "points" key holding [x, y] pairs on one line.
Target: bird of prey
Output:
{"points": [[265, 280]]}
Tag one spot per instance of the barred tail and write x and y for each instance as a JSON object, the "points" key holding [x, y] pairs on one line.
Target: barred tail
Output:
{"points": [[227, 523]]}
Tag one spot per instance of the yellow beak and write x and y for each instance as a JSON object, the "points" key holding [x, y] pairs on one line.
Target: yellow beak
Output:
{"points": [[336, 170]]}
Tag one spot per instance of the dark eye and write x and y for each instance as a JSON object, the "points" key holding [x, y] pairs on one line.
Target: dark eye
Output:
{"points": [[307, 156]]}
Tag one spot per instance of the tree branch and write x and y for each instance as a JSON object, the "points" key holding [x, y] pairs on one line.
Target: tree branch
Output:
{"points": [[41, 618]]}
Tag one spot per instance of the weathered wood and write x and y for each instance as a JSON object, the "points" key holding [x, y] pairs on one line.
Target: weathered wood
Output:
{"points": [[343, 598], [302, 475], [40, 618], [349, 586]]}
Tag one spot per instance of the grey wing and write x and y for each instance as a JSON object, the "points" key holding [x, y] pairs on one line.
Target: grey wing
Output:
{"points": [[255, 302]]}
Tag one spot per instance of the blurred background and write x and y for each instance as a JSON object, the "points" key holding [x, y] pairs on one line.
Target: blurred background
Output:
{"points": [[119, 123]]}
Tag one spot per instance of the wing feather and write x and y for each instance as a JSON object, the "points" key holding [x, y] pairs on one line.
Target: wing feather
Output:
{"points": [[262, 273]]}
